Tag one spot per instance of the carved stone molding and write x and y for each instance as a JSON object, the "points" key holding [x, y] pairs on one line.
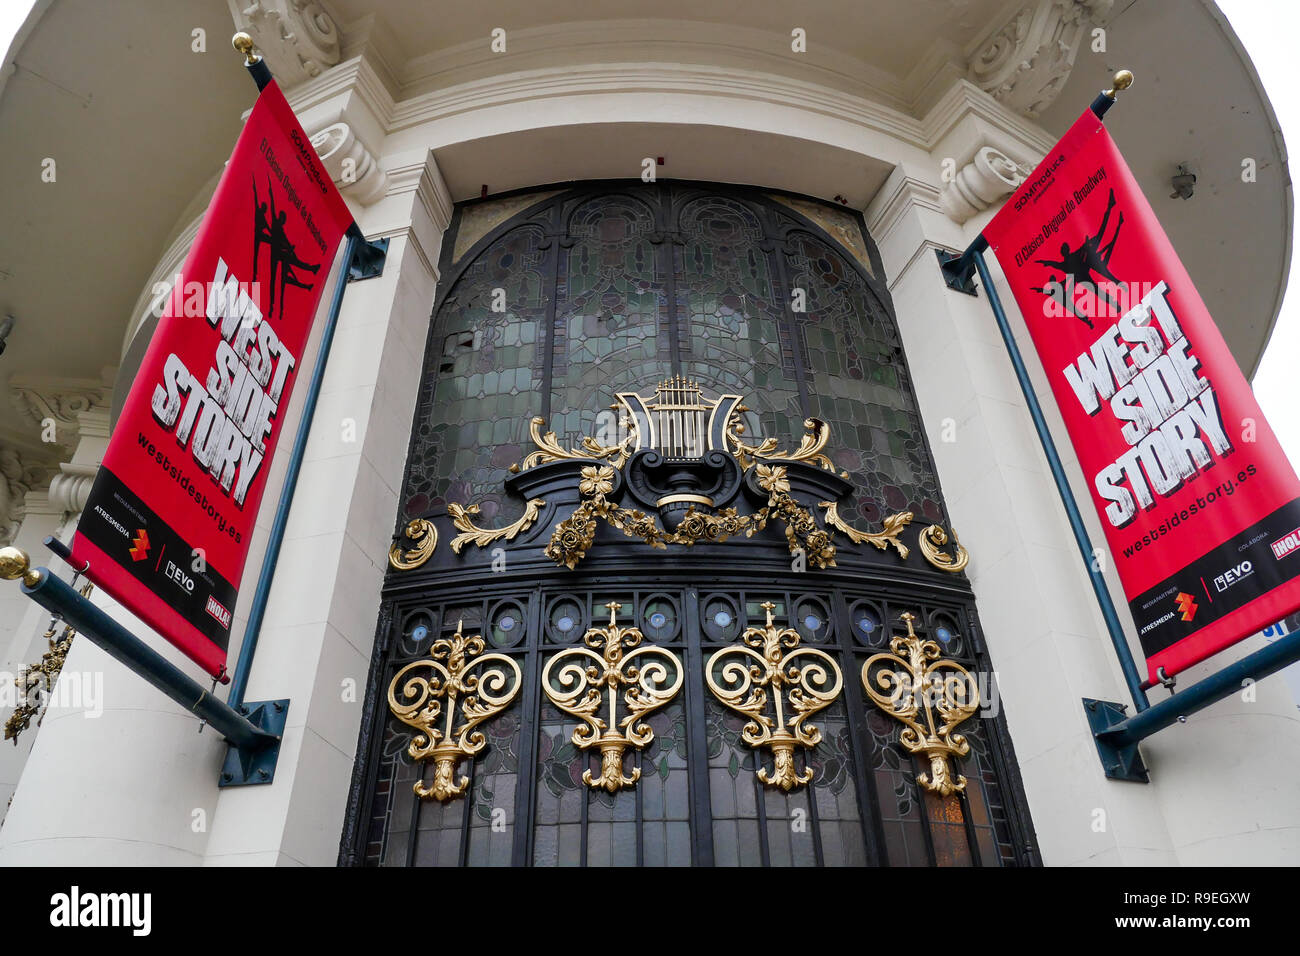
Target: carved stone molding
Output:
{"points": [[18, 475], [297, 37], [988, 177], [353, 168], [70, 488], [61, 401], [1026, 64]]}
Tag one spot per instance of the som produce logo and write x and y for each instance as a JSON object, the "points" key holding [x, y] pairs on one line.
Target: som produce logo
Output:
{"points": [[1186, 605]]}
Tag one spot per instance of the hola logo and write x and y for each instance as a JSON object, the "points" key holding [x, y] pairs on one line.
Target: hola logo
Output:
{"points": [[140, 546], [1286, 544], [1186, 605]]}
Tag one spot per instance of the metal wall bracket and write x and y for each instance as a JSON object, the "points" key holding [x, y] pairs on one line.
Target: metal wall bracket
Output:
{"points": [[248, 766], [1120, 761], [958, 271], [368, 260]]}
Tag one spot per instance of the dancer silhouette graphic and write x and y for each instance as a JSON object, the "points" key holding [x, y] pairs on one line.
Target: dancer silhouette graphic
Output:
{"points": [[269, 229], [1080, 264]]}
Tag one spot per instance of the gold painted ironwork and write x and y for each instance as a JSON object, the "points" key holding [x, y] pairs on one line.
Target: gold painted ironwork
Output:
{"points": [[816, 435], [679, 419], [589, 678], [882, 539], [461, 517], [931, 542], [38, 680], [771, 662], [573, 536], [679, 422], [422, 532], [913, 681], [430, 705], [685, 497], [549, 449]]}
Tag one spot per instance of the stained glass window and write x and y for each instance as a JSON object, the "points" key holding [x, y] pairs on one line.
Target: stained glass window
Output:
{"points": [[596, 290], [549, 306]]}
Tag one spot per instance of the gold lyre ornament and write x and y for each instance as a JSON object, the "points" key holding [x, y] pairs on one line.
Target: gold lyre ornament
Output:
{"points": [[585, 680], [804, 679], [913, 680], [433, 699]]}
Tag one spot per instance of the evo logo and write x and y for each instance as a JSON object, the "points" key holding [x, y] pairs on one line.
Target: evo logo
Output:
{"points": [[75, 908], [179, 578], [1233, 576]]}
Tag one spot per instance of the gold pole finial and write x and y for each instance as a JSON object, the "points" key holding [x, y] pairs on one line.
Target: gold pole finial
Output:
{"points": [[243, 43], [16, 565], [613, 610], [1121, 81]]}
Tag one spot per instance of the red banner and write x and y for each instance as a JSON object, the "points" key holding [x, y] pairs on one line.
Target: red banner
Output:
{"points": [[169, 519], [1201, 506]]}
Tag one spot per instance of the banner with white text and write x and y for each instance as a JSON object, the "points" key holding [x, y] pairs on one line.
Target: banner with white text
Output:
{"points": [[1200, 505], [169, 519]]}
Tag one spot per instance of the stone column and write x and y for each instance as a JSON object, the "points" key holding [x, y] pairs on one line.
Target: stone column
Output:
{"points": [[320, 623]]}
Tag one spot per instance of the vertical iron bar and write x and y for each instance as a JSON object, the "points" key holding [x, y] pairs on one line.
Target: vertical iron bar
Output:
{"points": [[248, 647], [1131, 676], [697, 742]]}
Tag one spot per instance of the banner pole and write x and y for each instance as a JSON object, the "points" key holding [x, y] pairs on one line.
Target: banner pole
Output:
{"points": [[254, 739], [1131, 675], [257, 611], [1117, 736], [257, 67]]}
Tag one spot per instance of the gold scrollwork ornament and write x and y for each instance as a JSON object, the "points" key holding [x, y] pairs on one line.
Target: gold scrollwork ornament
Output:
{"points": [[913, 681], [770, 661], [586, 680], [882, 539], [462, 517], [424, 536], [931, 542], [549, 449], [459, 676]]}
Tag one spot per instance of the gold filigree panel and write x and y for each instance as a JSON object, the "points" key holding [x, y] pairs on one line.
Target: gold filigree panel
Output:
{"points": [[913, 684], [586, 682], [776, 684], [445, 697]]}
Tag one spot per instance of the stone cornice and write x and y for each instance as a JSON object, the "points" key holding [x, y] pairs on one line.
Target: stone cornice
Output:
{"points": [[297, 37], [20, 473], [687, 44], [899, 194], [1025, 62], [42, 399]]}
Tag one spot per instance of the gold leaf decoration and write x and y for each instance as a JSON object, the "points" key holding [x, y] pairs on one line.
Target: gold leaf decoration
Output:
{"points": [[588, 678], [457, 676], [425, 536], [889, 535], [911, 684], [461, 517], [932, 541], [549, 449], [770, 664]]}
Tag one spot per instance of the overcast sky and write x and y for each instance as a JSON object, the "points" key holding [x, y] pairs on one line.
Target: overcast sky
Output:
{"points": [[1268, 29]]}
